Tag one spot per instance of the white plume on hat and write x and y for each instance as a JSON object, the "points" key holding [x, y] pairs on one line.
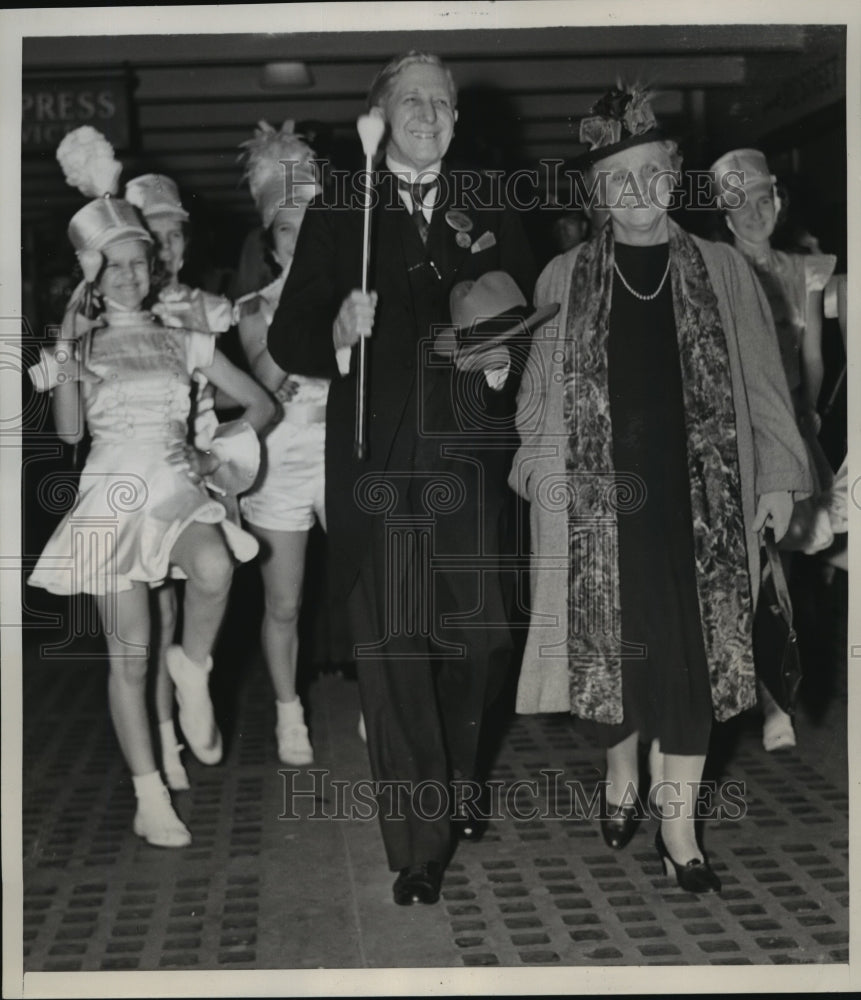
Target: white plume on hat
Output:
{"points": [[88, 162], [280, 169]]}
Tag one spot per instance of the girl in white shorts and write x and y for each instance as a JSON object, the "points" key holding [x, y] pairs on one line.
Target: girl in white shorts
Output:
{"points": [[288, 496]]}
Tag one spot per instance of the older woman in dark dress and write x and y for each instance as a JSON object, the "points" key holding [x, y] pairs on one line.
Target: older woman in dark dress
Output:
{"points": [[657, 441]]}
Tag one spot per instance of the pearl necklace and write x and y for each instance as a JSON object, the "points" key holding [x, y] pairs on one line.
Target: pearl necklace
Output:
{"points": [[639, 295]]}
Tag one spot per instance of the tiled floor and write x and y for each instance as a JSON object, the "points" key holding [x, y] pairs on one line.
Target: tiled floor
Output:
{"points": [[276, 880]]}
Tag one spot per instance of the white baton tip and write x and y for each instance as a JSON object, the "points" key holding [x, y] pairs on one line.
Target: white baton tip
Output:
{"points": [[370, 128]]}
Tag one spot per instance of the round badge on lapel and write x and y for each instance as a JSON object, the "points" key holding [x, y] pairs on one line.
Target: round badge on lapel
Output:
{"points": [[461, 223]]}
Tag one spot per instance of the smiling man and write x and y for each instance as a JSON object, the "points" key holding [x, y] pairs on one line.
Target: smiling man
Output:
{"points": [[418, 102], [415, 529]]}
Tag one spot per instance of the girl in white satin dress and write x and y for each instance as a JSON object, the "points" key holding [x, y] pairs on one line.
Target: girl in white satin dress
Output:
{"points": [[143, 511], [179, 306]]}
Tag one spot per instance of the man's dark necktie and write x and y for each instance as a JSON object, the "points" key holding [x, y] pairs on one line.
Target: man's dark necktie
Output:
{"points": [[418, 194]]}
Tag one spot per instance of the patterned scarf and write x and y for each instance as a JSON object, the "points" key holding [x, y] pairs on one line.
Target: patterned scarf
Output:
{"points": [[597, 493]]}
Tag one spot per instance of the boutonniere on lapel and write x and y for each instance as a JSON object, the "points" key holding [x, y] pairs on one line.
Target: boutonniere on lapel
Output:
{"points": [[461, 223]]}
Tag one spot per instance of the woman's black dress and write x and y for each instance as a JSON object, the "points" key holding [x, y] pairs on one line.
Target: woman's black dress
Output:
{"points": [[665, 694]]}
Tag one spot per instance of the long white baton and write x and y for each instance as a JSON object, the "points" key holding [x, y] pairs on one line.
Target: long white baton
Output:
{"points": [[370, 128], [91, 262]]}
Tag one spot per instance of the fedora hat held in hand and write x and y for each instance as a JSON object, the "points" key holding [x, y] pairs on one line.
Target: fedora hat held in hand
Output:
{"points": [[485, 313]]}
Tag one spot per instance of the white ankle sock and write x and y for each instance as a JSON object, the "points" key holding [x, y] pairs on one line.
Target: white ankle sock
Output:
{"points": [[290, 713], [205, 666], [148, 785]]}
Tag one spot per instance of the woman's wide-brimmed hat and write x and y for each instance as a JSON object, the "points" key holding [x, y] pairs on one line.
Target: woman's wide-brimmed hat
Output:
{"points": [[487, 312], [621, 119]]}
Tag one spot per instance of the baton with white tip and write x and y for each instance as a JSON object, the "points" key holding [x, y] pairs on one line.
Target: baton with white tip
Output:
{"points": [[370, 128], [91, 262]]}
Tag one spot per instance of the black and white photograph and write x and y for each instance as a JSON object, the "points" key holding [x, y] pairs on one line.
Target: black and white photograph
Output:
{"points": [[426, 498]]}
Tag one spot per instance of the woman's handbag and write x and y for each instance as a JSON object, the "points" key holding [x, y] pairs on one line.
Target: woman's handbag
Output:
{"points": [[775, 645]]}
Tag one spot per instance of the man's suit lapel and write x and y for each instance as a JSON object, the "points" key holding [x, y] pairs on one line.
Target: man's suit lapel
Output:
{"points": [[442, 243], [393, 250]]}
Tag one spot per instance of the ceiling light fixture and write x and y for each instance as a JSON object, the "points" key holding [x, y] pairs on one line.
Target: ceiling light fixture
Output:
{"points": [[285, 76]]}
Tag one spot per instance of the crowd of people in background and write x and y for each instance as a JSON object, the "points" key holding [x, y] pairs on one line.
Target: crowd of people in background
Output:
{"points": [[662, 385]]}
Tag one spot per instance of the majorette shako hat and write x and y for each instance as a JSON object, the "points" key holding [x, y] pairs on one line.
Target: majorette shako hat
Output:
{"points": [[741, 169], [621, 119], [280, 170], [156, 195], [88, 162], [486, 312], [106, 222]]}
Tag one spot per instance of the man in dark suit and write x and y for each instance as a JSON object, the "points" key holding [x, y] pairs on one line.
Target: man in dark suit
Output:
{"points": [[415, 529]]}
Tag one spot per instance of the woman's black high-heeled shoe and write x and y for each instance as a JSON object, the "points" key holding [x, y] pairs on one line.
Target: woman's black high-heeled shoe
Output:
{"points": [[695, 876], [618, 823]]}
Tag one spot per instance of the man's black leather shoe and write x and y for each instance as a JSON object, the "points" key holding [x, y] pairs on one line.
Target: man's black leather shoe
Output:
{"points": [[418, 884]]}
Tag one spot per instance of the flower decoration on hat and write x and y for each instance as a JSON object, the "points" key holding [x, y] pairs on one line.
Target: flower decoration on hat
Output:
{"points": [[280, 169], [622, 117]]}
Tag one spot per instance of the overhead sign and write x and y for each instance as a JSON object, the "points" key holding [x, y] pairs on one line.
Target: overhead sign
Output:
{"points": [[53, 106], [817, 82]]}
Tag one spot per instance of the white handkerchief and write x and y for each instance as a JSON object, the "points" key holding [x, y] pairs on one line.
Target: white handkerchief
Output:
{"points": [[342, 357], [484, 242], [497, 377]]}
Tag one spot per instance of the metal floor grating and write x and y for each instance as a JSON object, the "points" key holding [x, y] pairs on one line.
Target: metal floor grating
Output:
{"points": [[556, 894], [536, 891]]}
